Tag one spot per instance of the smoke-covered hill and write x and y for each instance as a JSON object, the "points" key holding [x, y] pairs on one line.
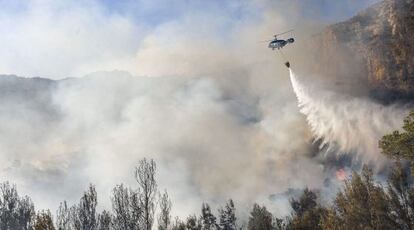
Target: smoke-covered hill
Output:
{"points": [[58, 136]]}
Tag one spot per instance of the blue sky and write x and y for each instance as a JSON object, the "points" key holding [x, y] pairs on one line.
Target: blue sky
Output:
{"points": [[154, 12], [158, 11]]}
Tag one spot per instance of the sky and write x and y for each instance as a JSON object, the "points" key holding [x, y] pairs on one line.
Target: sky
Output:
{"points": [[183, 82], [58, 39]]}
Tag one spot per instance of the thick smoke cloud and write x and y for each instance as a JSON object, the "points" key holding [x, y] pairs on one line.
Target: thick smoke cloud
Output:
{"points": [[212, 106], [200, 134]]}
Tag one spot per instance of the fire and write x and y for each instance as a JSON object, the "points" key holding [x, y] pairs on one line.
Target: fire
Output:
{"points": [[340, 174]]}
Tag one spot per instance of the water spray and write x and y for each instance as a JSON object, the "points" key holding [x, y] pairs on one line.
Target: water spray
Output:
{"points": [[346, 124]]}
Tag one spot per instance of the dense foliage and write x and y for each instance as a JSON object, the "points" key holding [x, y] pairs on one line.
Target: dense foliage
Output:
{"points": [[400, 145]]}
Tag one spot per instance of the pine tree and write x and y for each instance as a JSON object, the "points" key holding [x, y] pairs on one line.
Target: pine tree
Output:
{"points": [[228, 216], [86, 210], [282, 224], [193, 223], [260, 219], [126, 208], [361, 205], [63, 218], [145, 176], [208, 220], [400, 145], [104, 221], [401, 197], [15, 212], [164, 218], [306, 211], [43, 221], [178, 225]]}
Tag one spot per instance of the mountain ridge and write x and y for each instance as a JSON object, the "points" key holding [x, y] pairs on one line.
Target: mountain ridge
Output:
{"points": [[376, 45]]}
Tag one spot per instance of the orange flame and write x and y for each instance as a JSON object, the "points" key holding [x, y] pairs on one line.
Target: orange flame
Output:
{"points": [[340, 174]]}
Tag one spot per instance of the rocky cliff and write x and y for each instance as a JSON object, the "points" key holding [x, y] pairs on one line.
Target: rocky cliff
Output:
{"points": [[377, 46]]}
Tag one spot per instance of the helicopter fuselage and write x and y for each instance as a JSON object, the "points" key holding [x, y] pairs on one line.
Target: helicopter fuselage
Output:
{"points": [[279, 43]]}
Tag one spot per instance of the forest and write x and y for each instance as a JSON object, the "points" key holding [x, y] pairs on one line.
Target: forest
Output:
{"points": [[362, 203]]}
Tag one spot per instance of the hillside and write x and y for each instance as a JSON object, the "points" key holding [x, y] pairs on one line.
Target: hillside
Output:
{"points": [[376, 46]]}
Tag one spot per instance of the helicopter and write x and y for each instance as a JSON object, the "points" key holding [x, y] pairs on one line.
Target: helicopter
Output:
{"points": [[279, 43]]}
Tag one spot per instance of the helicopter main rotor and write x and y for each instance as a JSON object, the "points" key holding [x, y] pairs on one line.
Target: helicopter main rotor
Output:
{"points": [[282, 33], [275, 36]]}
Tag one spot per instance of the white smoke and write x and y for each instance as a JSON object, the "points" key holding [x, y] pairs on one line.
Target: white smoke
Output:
{"points": [[226, 126], [212, 142], [350, 125]]}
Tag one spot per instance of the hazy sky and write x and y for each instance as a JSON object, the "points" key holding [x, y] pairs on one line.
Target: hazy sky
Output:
{"points": [[57, 39]]}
